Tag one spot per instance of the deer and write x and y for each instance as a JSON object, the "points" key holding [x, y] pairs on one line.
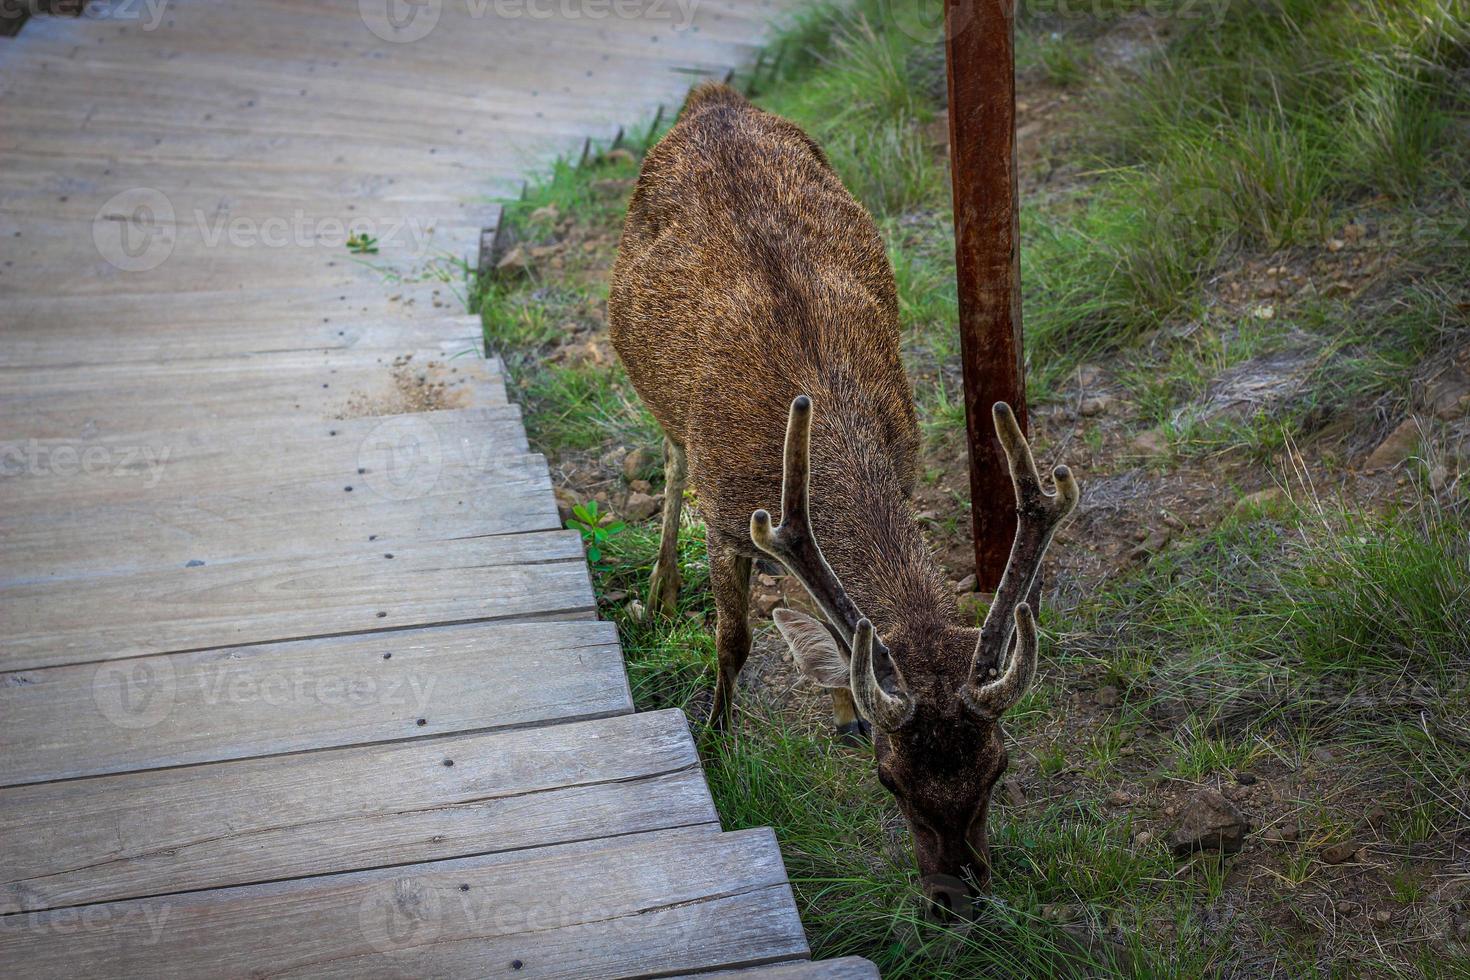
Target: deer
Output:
{"points": [[754, 308]]}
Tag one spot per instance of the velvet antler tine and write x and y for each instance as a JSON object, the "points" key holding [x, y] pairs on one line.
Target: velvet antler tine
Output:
{"points": [[794, 544], [1038, 515]]}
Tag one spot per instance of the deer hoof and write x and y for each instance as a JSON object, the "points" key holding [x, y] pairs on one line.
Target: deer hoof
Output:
{"points": [[854, 734]]}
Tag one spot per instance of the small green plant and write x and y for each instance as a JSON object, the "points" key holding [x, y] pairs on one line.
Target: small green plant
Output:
{"points": [[595, 527], [362, 244]]}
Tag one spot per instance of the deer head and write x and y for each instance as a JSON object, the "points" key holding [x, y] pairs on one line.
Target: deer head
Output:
{"points": [[937, 738]]}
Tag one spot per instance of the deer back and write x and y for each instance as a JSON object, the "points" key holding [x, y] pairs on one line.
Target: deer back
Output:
{"points": [[747, 274]]}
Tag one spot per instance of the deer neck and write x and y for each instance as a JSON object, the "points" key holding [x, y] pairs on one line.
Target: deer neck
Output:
{"points": [[865, 523]]}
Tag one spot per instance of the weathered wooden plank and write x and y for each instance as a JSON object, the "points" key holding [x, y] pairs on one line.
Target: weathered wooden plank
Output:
{"points": [[60, 331], [80, 620], [847, 968], [308, 386], [209, 706], [391, 457], [646, 906], [281, 515], [163, 832]]}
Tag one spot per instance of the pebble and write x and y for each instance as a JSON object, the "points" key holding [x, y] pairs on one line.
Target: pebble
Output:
{"points": [[1245, 778], [1339, 853], [966, 584], [1108, 697]]}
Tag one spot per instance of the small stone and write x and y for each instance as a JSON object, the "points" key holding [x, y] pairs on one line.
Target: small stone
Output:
{"points": [[1323, 754], [1262, 501], [1144, 838], [1151, 442], [1173, 522], [972, 605], [547, 214], [966, 584], [1095, 406], [1335, 244], [1245, 778], [1396, 447], [1344, 907], [1152, 545], [1209, 822], [1108, 697], [1015, 794], [637, 464], [641, 506], [636, 611], [1119, 798], [1141, 534], [1382, 917], [1339, 853], [1289, 832], [565, 501], [765, 603], [642, 486], [1376, 816], [514, 261], [769, 581]]}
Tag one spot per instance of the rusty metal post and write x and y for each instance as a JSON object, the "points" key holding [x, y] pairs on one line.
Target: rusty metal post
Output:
{"points": [[980, 53]]}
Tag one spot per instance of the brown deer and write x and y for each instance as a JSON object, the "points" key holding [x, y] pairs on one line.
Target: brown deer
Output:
{"points": [[753, 292]]}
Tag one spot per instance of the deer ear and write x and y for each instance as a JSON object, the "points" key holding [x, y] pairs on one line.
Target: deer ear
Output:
{"points": [[819, 656]]}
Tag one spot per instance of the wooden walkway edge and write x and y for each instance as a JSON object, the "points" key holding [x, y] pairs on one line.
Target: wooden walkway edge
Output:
{"points": [[299, 673]]}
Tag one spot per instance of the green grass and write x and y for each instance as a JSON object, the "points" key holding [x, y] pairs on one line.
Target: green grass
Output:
{"points": [[1255, 131]]}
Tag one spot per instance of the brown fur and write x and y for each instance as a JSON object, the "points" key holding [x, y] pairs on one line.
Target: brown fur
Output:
{"points": [[748, 275]]}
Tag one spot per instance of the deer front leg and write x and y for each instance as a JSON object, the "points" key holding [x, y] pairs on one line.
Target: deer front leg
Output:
{"points": [[729, 573], [663, 587]]}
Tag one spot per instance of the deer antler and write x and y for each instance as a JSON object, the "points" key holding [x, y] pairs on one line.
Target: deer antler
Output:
{"points": [[794, 545], [1038, 515]]}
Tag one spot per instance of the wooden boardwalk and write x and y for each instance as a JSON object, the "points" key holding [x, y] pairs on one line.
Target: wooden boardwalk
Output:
{"points": [[298, 674]]}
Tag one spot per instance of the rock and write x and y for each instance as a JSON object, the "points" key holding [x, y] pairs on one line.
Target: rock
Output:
{"points": [[1446, 395], [1119, 798], [769, 581], [638, 464], [1397, 447], [1208, 822], [1245, 778], [1151, 442], [966, 584], [514, 262], [765, 603], [1289, 832], [1344, 907], [565, 501], [1108, 697], [1375, 817], [1340, 853], [1095, 406], [1262, 501], [1014, 793], [1323, 754], [1144, 838], [972, 605], [1172, 522], [641, 506], [1382, 917], [642, 486], [548, 214], [636, 611], [1152, 545]]}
